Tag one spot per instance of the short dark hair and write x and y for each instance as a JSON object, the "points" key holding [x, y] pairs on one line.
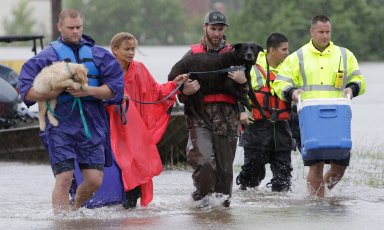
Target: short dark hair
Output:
{"points": [[275, 39], [320, 18]]}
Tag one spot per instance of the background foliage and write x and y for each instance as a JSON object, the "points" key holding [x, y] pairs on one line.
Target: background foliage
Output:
{"points": [[160, 22], [356, 24], [21, 23]]}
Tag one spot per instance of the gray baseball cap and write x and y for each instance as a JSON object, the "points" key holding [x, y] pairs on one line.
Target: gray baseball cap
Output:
{"points": [[215, 17]]}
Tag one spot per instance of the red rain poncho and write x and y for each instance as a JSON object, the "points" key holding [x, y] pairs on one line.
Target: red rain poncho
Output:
{"points": [[134, 144]]}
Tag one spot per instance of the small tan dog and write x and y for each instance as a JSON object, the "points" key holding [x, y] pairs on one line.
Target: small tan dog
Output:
{"points": [[59, 75]]}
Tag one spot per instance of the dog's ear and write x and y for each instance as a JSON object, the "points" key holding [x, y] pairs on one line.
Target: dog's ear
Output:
{"points": [[259, 48], [256, 47], [237, 46]]}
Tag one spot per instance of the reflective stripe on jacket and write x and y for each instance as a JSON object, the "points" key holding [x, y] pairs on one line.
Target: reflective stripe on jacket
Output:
{"points": [[274, 108], [315, 72]]}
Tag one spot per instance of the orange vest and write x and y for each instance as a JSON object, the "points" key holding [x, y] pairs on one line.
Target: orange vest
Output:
{"points": [[273, 107], [199, 48], [213, 98]]}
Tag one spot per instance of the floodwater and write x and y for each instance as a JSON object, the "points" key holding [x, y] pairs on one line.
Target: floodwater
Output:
{"points": [[357, 202], [354, 204]]}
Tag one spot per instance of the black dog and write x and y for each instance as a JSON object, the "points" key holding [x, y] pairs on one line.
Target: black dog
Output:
{"points": [[243, 54]]}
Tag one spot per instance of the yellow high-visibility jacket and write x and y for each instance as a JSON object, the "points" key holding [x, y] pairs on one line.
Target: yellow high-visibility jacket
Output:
{"points": [[269, 104], [257, 81], [315, 72]]}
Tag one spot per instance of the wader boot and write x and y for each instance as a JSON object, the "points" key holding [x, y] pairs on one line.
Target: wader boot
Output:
{"points": [[281, 180], [211, 156], [279, 186], [131, 198], [251, 174]]}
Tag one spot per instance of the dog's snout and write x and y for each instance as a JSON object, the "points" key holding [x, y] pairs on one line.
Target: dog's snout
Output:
{"points": [[250, 53], [250, 56]]}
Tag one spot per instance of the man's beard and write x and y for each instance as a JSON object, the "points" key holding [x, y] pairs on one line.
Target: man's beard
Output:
{"points": [[213, 42]]}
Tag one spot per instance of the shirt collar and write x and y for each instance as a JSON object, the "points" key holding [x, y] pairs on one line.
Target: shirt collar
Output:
{"points": [[327, 50], [262, 61]]}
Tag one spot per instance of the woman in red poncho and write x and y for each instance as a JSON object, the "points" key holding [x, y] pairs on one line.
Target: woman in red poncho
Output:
{"points": [[134, 144]]}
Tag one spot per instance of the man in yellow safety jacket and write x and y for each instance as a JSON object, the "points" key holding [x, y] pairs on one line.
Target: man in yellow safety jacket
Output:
{"points": [[320, 69], [268, 138]]}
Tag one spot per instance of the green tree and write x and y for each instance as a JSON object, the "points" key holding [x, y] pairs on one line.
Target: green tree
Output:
{"points": [[102, 19], [355, 24], [21, 23], [152, 22], [163, 22], [260, 18]]}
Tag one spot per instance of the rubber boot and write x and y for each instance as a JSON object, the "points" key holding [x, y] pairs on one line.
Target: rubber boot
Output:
{"points": [[131, 198]]}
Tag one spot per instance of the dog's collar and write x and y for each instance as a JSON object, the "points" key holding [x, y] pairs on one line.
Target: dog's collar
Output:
{"points": [[69, 70]]}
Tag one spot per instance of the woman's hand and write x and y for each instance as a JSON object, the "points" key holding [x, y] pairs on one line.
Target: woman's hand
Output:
{"points": [[181, 79]]}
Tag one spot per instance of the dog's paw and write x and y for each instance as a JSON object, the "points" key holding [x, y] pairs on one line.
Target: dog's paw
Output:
{"points": [[42, 126], [76, 85], [84, 87], [53, 120]]}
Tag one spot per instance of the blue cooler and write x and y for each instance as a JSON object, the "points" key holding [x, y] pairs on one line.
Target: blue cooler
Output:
{"points": [[325, 128]]}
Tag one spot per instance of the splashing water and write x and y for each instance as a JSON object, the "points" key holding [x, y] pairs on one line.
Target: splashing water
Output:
{"points": [[354, 203]]}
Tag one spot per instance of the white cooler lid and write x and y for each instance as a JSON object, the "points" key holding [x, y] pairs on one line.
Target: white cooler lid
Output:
{"points": [[323, 101]]}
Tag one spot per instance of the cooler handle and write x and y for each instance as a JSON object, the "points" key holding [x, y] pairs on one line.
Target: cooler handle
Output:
{"points": [[299, 104], [327, 112]]}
